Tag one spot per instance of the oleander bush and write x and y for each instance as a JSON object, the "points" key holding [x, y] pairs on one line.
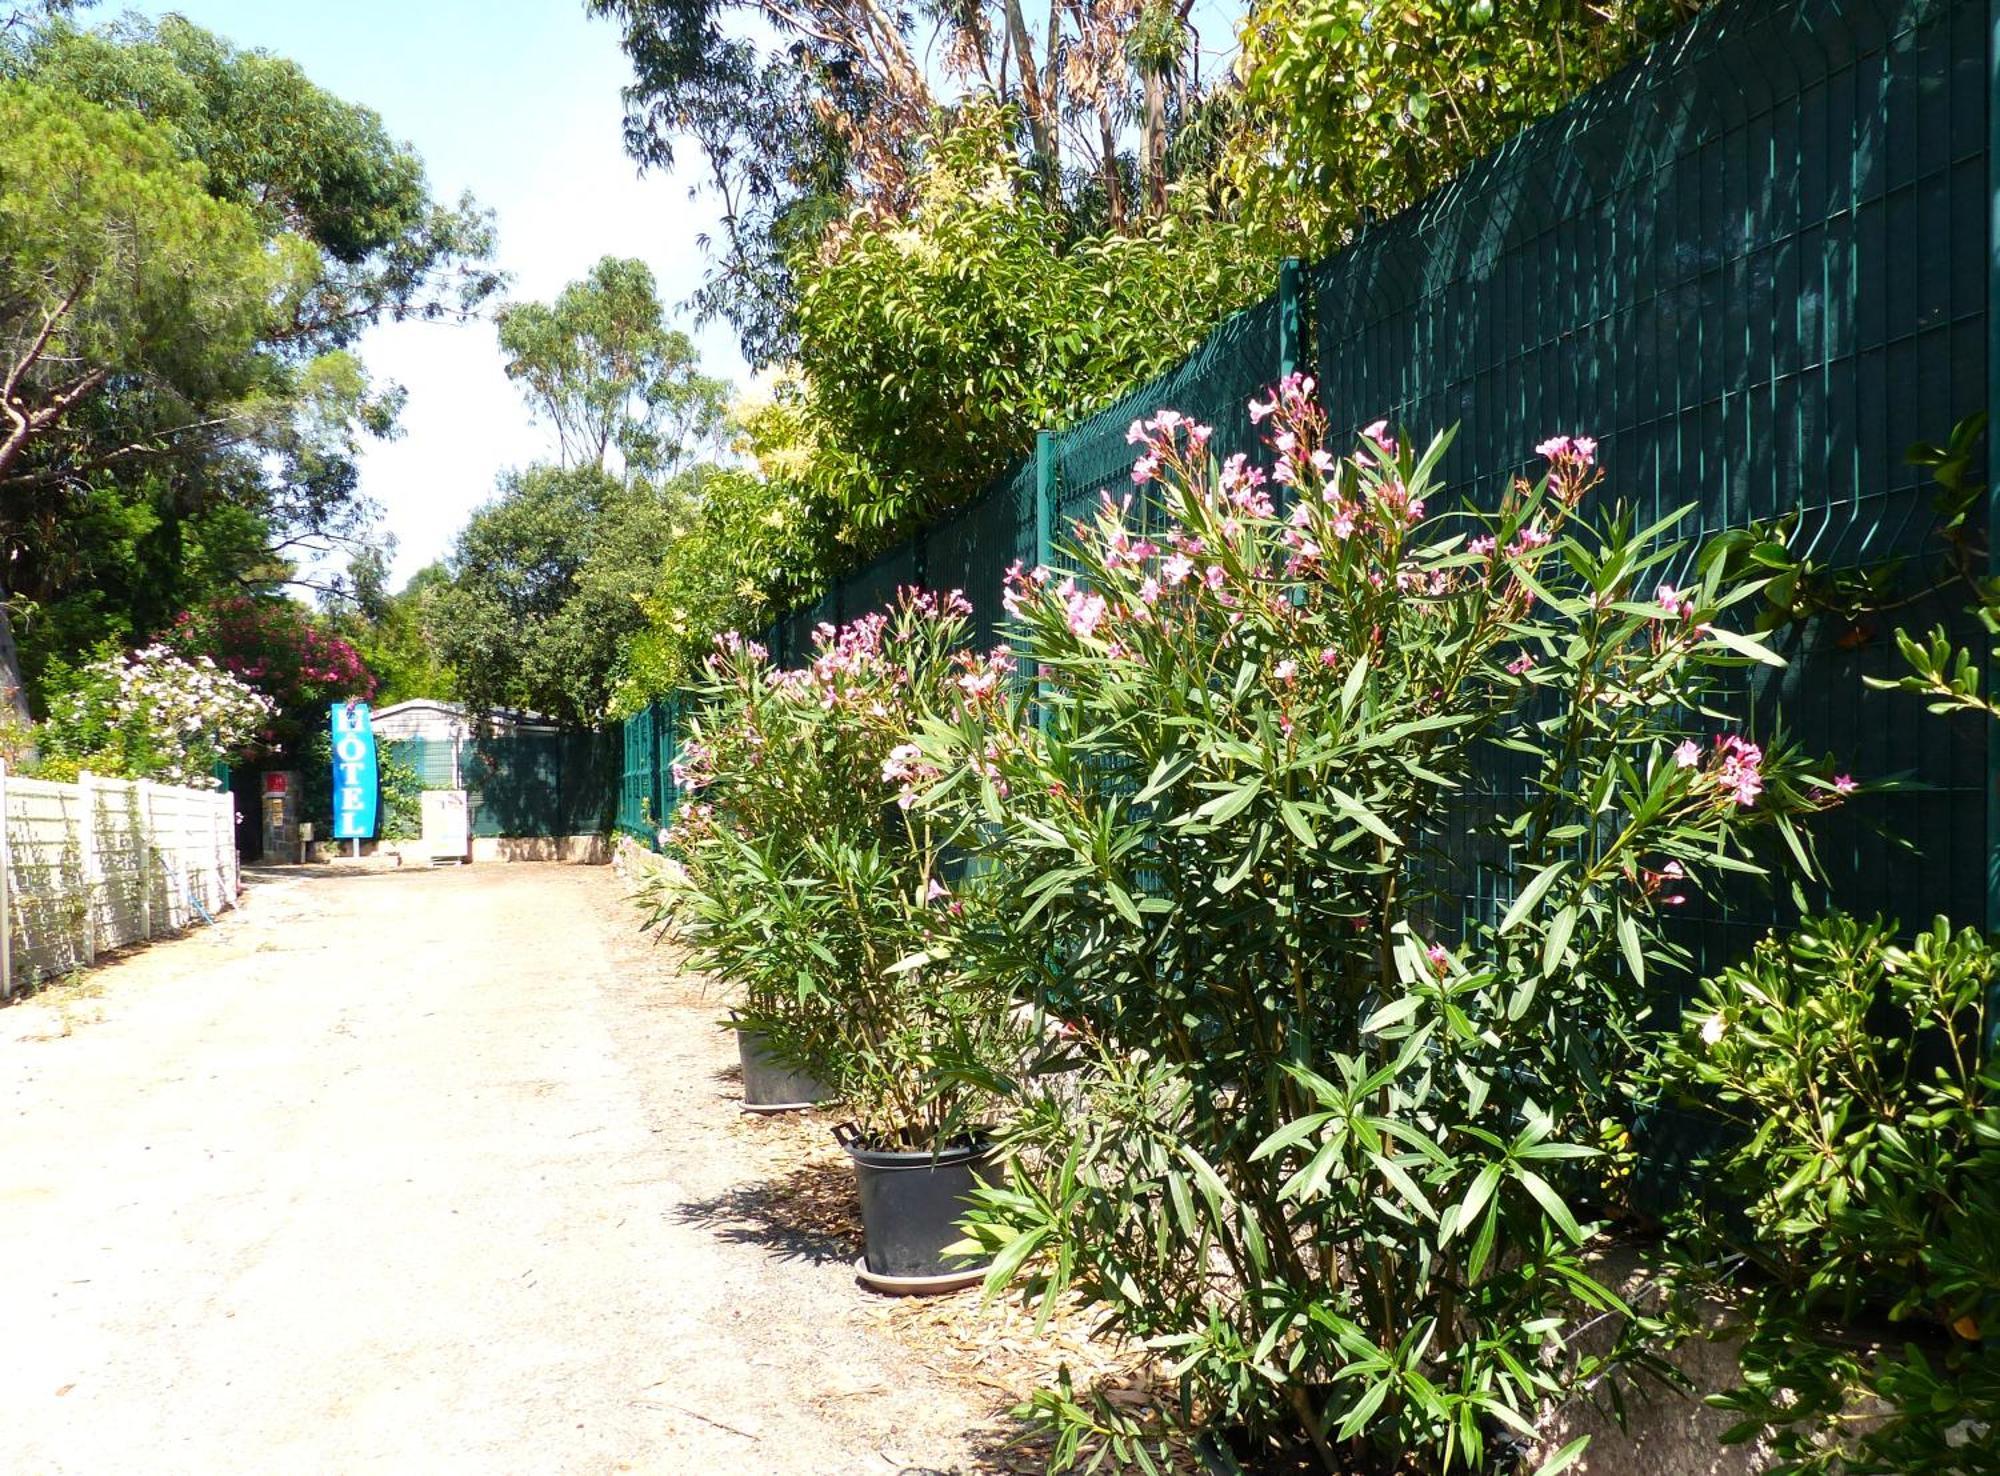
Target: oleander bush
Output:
{"points": [[806, 878], [1322, 1135]]}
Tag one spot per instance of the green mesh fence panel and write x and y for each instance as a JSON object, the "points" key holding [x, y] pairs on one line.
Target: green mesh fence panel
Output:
{"points": [[430, 758], [639, 809], [971, 551], [1754, 265], [1214, 384], [543, 784]]}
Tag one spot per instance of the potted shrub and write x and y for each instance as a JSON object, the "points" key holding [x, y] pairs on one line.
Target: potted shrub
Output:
{"points": [[810, 878], [1330, 1119]]}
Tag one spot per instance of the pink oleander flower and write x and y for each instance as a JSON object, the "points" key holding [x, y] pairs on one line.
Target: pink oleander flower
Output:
{"points": [[1176, 568], [1739, 772], [1379, 434], [1522, 664], [1673, 601], [1262, 410], [1285, 670], [1481, 545], [1439, 956], [1844, 784], [1213, 576], [1145, 469], [1149, 591], [1083, 612], [901, 763], [1687, 754], [935, 890], [1329, 657]]}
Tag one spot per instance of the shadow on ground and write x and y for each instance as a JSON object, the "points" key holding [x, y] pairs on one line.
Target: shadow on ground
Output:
{"points": [[810, 1214]]}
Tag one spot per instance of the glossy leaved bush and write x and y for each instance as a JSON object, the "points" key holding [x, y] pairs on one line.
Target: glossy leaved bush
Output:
{"points": [[1852, 1214]]}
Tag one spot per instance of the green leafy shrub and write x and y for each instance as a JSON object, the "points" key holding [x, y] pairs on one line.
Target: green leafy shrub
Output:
{"points": [[1855, 1213], [400, 790], [1311, 1129], [807, 879]]}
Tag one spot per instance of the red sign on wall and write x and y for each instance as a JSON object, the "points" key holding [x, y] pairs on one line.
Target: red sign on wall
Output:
{"points": [[276, 783]]}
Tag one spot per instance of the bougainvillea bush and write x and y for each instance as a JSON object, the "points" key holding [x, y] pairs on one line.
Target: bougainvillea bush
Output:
{"points": [[150, 714], [279, 647], [804, 875], [1325, 1135]]}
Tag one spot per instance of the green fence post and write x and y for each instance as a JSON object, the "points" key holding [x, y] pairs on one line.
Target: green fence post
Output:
{"points": [[657, 762], [1045, 498], [1992, 476], [1291, 317]]}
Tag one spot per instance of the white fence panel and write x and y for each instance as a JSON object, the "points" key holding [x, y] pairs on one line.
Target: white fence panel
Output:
{"points": [[103, 863]]}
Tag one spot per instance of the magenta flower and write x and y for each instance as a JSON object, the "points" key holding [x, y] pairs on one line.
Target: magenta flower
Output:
{"points": [[1844, 784]]}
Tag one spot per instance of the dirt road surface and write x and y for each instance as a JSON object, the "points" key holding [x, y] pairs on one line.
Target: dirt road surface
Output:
{"points": [[430, 1173]]}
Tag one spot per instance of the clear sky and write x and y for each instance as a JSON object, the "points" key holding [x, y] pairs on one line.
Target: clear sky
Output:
{"points": [[517, 101]]}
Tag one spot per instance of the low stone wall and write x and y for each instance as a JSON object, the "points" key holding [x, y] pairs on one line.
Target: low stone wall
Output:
{"points": [[573, 850]]}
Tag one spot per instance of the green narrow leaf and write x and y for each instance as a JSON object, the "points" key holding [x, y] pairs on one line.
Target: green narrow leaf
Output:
{"points": [[1557, 940], [1531, 894], [1628, 941], [1552, 1203], [1742, 645], [1563, 1459]]}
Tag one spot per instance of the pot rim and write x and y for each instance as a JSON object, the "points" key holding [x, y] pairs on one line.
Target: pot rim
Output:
{"points": [[970, 1146]]}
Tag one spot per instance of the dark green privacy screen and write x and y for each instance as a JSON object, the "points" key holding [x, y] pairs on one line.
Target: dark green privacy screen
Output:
{"points": [[1755, 266]]}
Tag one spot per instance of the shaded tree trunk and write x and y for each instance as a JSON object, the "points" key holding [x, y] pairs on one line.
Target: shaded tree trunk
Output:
{"points": [[13, 684]]}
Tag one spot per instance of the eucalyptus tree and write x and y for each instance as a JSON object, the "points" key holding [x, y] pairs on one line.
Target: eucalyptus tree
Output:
{"points": [[600, 365]]}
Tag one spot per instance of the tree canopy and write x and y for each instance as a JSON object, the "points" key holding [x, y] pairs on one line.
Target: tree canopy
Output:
{"points": [[193, 238], [544, 591], [602, 368]]}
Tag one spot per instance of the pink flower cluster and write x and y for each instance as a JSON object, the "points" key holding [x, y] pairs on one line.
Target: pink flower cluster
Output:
{"points": [[1163, 438], [1579, 451], [1740, 772], [693, 768]]}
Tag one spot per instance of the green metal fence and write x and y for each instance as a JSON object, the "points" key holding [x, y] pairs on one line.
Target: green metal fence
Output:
{"points": [[1755, 265], [524, 784]]}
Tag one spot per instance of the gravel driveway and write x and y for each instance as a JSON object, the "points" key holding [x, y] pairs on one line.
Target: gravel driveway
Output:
{"points": [[417, 1173]]}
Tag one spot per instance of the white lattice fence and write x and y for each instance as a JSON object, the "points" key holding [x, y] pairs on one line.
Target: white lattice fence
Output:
{"points": [[101, 863]]}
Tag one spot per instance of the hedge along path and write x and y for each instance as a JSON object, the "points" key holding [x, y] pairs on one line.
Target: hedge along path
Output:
{"points": [[432, 1172]]}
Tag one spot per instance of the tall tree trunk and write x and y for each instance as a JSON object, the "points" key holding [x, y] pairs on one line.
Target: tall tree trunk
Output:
{"points": [[1153, 140], [1114, 187], [1033, 103]]}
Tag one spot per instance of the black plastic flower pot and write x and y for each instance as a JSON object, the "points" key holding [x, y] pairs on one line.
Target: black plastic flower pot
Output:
{"points": [[911, 1203], [769, 1085]]}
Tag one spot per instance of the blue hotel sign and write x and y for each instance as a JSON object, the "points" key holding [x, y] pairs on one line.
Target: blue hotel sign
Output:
{"points": [[353, 772]]}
